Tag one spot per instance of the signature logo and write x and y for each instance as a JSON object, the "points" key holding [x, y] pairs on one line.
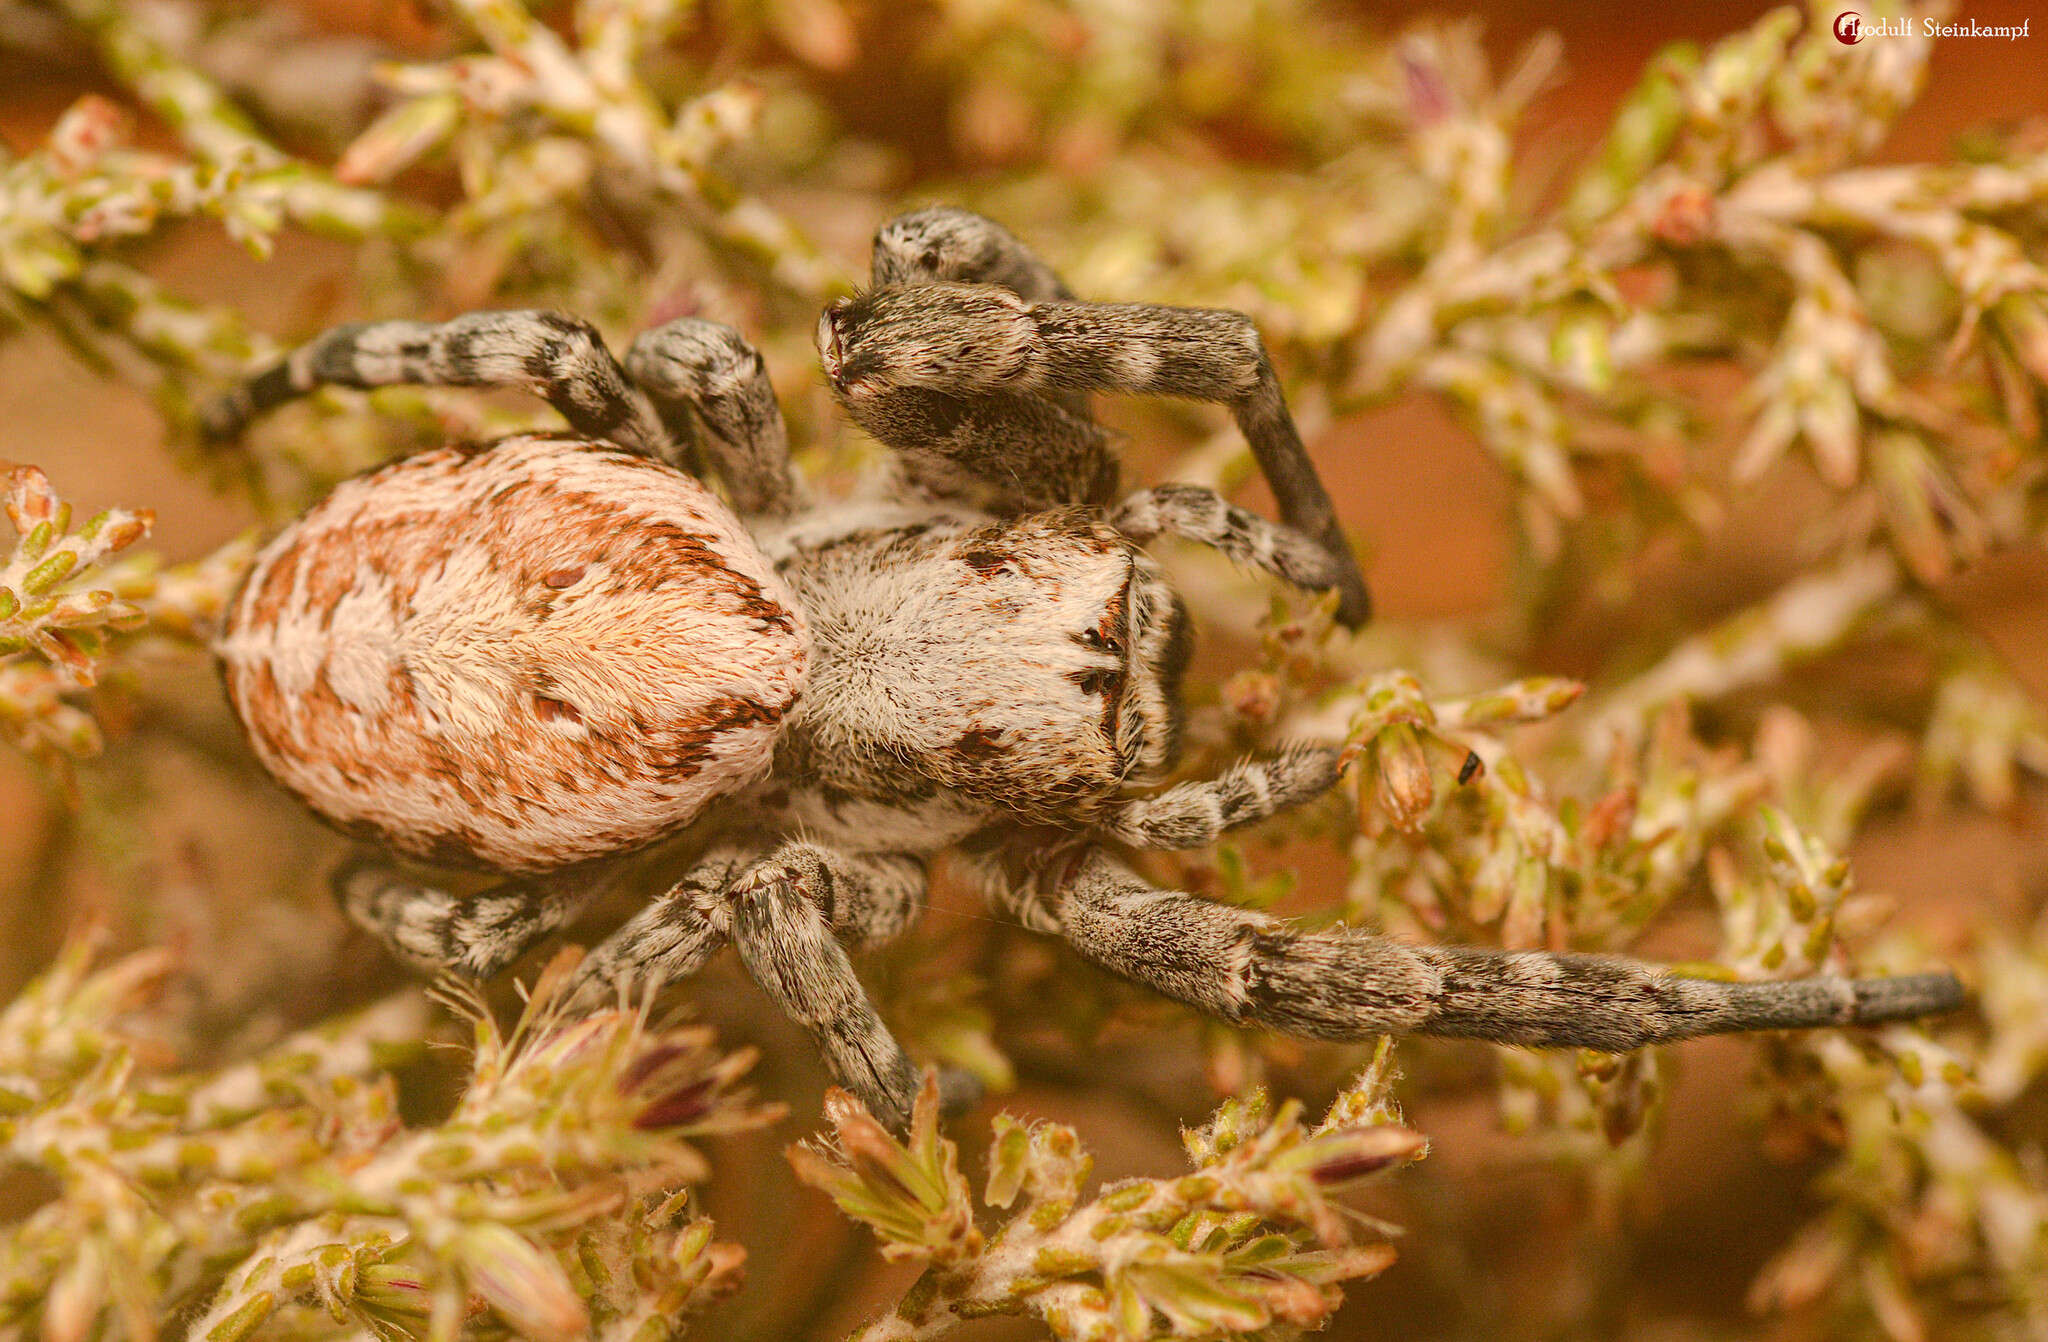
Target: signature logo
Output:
{"points": [[1849, 28]]}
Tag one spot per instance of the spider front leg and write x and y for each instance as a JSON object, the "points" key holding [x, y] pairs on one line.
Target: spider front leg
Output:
{"points": [[903, 358], [559, 358], [948, 245], [1008, 453], [1034, 451], [472, 935], [1341, 983], [707, 372], [1207, 518], [1193, 814]]}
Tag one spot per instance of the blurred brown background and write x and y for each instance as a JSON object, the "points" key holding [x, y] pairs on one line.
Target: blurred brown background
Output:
{"points": [[1430, 505]]}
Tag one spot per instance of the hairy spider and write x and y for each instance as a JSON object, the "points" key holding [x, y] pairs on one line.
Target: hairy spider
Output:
{"points": [[536, 655]]}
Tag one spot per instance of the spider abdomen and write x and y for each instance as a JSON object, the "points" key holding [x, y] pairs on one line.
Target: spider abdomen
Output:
{"points": [[518, 657]]}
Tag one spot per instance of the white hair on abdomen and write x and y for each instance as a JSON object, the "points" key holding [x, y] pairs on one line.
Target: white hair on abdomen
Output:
{"points": [[519, 657]]}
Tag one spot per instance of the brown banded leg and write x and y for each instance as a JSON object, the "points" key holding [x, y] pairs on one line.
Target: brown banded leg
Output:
{"points": [[472, 935], [708, 383], [1008, 453], [559, 358], [948, 245], [1207, 518], [785, 938], [1342, 983], [788, 913], [1197, 813], [670, 939], [908, 358]]}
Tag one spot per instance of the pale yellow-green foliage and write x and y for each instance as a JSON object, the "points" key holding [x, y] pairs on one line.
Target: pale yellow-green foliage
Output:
{"points": [[1730, 295]]}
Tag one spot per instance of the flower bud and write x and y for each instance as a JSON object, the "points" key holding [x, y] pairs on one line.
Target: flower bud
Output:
{"points": [[522, 1283], [1401, 767], [1336, 1159]]}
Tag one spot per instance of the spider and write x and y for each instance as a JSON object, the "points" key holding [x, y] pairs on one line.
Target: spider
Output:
{"points": [[536, 655]]}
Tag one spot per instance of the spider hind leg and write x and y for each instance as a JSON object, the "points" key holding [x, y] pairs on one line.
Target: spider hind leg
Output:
{"points": [[472, 935], [787, 913]]}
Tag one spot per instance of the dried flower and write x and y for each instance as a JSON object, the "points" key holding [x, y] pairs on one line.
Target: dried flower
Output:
{"points": [[292, 1179], [1248, 1240]]}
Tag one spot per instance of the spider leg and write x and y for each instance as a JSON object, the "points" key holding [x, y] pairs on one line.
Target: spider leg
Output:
{"points": [[1202, 515], [787, 912], [900, 356], [786, 943], [948, 245], [669, 939], [1342, 983], [1038, 451], [1012, 453], [702, 370], [560, 358], [868, 899], [472, 935], [1189, 815]]}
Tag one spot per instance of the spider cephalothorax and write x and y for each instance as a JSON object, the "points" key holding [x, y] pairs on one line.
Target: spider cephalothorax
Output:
{"points": [[537, 655]]}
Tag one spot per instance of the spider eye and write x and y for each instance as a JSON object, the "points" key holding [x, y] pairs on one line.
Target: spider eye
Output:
{"points": [[1094, 640], [1098, 682]]}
